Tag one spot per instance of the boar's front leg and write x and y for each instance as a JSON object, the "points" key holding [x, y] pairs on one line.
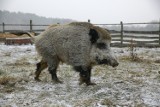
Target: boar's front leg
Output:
{"points": [[85, 75]]}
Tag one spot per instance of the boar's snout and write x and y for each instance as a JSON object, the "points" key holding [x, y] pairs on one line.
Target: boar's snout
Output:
{"points": [[115, 64]]}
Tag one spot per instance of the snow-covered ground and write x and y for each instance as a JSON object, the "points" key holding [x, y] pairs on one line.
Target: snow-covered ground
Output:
{"points": [[131, 84]]}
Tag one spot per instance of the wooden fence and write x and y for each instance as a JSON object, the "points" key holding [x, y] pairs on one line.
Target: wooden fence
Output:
{"points": [[124, 38], [29, 26], [120, 38]]}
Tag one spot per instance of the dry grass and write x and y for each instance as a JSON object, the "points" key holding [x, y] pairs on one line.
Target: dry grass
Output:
{"points": [[7, 35], [1, 72], [8, 54], [107, 102], [133, 53], [135, 59], [4, 80], [157, 61], [22, 61]]}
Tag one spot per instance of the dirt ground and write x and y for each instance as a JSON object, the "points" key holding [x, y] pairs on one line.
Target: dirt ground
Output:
{"points": [[134, 83]]}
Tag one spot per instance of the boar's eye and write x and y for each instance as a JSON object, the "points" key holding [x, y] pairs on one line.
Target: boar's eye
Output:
{"points": [[101, 45]]}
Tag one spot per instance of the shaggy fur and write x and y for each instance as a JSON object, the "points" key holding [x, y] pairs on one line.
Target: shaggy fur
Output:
{"points": [[79, 44]]}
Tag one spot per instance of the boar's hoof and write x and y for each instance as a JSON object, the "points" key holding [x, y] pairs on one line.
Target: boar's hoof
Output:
{"points": [[91, 83], [37, 79], [115, 64], [82, 81], [57, 81]]}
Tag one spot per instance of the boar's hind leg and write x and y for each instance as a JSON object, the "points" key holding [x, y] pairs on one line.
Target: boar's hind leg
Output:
{"points": [[40, 66], [85, 75], [52, 68]]}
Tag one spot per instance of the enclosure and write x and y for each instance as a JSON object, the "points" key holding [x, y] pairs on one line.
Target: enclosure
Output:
{"points": [[134, 83]]}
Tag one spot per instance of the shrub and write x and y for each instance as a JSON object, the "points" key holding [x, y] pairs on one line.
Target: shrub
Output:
{"points": [[133, 54]]}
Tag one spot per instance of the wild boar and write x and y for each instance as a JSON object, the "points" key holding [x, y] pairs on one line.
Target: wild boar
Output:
{"points": [[79, 44]]}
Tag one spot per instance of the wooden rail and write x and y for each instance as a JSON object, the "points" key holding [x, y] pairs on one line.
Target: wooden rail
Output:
{"points": [[18, 41], [120, 38]]}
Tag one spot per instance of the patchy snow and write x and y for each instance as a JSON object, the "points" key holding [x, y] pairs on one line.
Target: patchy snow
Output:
{"points": [[132, 83]]}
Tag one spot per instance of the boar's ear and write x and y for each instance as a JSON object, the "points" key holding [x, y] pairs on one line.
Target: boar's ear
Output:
{"points": [[93, 36]]}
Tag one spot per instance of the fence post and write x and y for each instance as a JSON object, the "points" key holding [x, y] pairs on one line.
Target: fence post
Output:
{"points": [[159, 31], [121, 23], [30, 25], [89, 20], [3, 27]]}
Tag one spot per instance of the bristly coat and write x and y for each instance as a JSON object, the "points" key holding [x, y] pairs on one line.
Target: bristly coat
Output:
{"points": [[79, 44]]}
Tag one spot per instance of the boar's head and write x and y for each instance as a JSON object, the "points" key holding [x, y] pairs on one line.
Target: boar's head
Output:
{"points": [[100, 49]]}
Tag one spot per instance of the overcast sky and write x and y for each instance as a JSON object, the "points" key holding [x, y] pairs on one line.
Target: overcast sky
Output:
{"points": [[98, 11]]}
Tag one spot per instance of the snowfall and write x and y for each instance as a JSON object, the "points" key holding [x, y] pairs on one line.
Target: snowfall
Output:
{"points": [[134, 83]]}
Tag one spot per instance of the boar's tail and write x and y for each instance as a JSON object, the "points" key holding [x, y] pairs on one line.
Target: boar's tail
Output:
{"points": [[20, 33]]}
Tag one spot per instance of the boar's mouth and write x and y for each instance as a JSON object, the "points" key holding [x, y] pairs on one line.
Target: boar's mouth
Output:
{"points": [[104, 61]]}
